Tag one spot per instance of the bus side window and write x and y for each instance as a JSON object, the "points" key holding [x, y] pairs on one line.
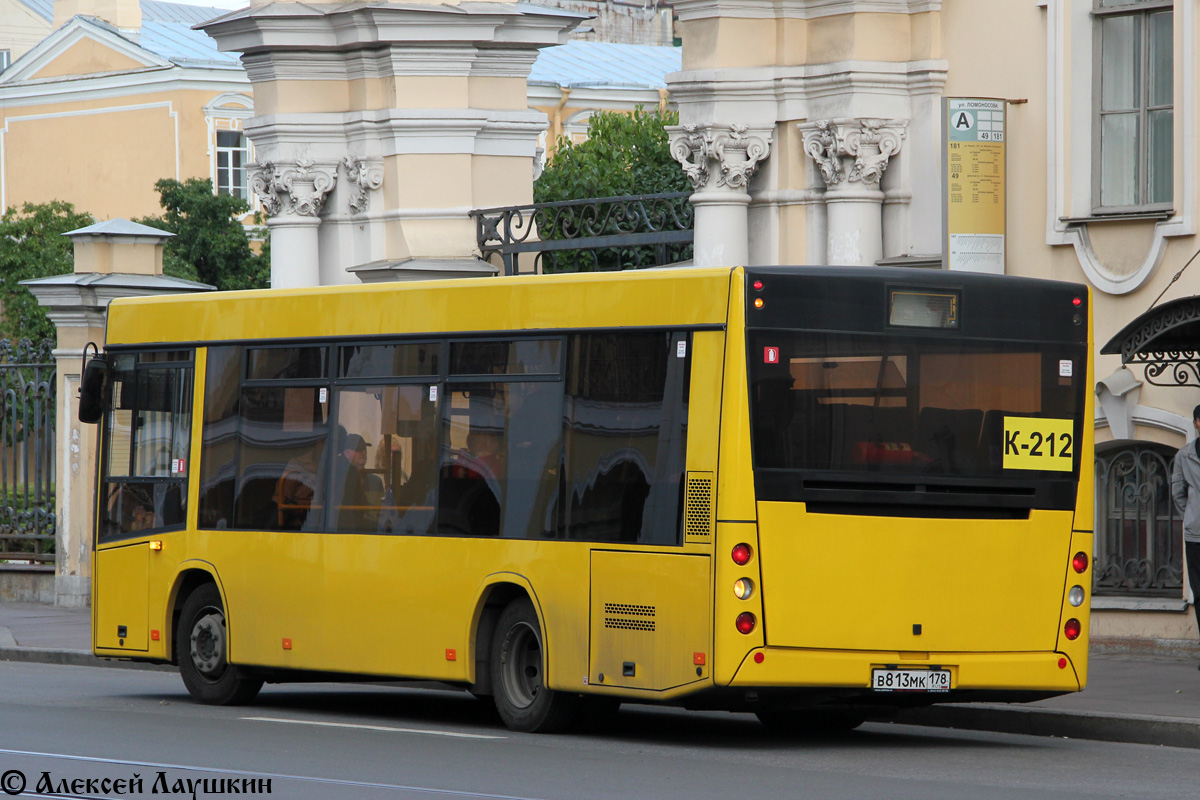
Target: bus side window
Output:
{"points": [[625, 417], [147, 442]]}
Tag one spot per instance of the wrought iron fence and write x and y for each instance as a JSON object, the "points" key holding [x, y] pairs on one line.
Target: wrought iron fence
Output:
{"points": [[27, 474], [1139, 549], [597, 234]]}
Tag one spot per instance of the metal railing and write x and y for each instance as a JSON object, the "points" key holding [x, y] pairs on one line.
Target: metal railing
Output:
{"points": [[27, 448], [597, 234]]}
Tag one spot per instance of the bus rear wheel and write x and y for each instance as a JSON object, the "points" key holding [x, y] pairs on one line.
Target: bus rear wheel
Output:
{"points": [[202, 650], [518, 677], [810, 723]]}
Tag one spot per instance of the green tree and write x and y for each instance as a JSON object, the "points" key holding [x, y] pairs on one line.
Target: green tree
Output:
{"points": [[624, 154], [210, 244], [32, 245]]}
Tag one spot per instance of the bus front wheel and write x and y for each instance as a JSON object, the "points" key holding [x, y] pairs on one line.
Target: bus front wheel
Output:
{"points": [[518, 679], [202, 649]]}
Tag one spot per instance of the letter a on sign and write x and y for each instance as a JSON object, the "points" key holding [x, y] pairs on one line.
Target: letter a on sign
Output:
{"points": [[770, 355], [963, 120]]}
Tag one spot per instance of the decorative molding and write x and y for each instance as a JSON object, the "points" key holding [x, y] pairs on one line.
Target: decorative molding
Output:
{"points": [[298, 189], [735, 149], [798, 9], [869, 142], [363, 175]]}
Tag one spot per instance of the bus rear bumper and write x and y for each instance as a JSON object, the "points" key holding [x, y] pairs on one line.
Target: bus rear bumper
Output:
{"points": [[778, 667]]}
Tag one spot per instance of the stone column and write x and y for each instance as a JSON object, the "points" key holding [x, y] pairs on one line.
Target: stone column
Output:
{"points": [[720, 160], [113, 259], [292, 195], [852, 155]]}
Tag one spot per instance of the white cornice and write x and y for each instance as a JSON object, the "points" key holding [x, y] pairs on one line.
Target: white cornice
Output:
{"points": [[75, 31], [394, 61], [115, 85], [295, 26], [798, 9]]}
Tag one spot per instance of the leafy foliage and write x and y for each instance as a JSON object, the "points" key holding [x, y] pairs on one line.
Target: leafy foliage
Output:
{"points": [[210, 244], [32, 246], [624, 154]]}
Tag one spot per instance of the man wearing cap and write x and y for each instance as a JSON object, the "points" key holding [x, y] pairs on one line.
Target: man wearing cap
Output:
{"points": [[353, 514], [1185, 488]]}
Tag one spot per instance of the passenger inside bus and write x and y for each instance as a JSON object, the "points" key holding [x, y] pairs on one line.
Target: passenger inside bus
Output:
{"points": [[351, 486], [296, 487]]}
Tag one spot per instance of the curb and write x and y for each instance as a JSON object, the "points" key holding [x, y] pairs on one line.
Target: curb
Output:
{"points": [[1126, 728], [73, 658]]}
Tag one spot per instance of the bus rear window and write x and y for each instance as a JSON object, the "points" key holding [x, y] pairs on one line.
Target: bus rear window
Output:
{"points": [[914, 405]]}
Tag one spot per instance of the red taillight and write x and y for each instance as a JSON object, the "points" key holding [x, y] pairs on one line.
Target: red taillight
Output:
{"points": [[741, 554], [745, 622], [1079, 563], [1072, 629], [1078, 301], [758, 286]]}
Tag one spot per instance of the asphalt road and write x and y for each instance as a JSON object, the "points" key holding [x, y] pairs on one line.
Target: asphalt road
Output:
{"points": [[60, 726]]}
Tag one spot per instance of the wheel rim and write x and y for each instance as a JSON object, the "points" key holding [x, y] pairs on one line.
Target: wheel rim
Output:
{"points": [[521, 670], [208, 644]]}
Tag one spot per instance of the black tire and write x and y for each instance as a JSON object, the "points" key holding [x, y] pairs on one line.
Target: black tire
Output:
{"points": [[518, 680], [202, 650], [810, 723]]}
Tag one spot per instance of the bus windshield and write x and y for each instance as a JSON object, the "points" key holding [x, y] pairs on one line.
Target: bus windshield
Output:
{"points": [[903, 406]]}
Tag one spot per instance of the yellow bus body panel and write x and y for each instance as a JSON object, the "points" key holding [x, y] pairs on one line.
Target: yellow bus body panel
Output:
{"points": [[834, 581], [675, 298], [121, 580], [852, 669]]}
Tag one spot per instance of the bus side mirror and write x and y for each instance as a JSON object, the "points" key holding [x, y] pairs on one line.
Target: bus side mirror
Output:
{"points": [[93, 390]]}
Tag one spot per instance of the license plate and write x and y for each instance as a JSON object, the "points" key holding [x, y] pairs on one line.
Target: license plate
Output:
{"points": [[910, 680]]}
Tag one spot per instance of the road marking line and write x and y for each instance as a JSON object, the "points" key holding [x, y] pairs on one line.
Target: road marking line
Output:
{"points": [[384, 728]]}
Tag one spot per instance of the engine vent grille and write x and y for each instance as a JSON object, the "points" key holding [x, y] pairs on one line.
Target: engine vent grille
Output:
{"points": [[698, 507], [628, 617]]}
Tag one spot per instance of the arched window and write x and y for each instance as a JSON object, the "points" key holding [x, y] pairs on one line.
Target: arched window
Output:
{"points": [[1139, 533]]}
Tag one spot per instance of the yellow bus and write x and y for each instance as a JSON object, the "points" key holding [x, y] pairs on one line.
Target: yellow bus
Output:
{"points": [[812, 493]]}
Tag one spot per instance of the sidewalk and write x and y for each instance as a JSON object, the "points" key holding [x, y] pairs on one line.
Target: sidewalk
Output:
{"points": [[1139, 699]]}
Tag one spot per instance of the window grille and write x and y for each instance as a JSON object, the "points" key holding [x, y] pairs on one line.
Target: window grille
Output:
{"points": [[1139, 541]]}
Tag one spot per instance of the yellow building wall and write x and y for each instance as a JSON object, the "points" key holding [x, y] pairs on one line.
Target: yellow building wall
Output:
{"points": [[87, 57], [124, 146]]}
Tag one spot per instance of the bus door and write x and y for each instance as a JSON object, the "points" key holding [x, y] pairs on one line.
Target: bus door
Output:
{"points": [[142, 487]]}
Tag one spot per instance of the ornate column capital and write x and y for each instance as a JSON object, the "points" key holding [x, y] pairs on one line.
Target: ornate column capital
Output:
{"points": [[297, 189], [853, 150], [362, 175], [735, 151]]}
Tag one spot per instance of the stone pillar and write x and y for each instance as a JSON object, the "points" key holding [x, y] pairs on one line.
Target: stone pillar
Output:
{"points": [[423, 105], [852, 155], [293, 195], [113, 259], [719, 161]]}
